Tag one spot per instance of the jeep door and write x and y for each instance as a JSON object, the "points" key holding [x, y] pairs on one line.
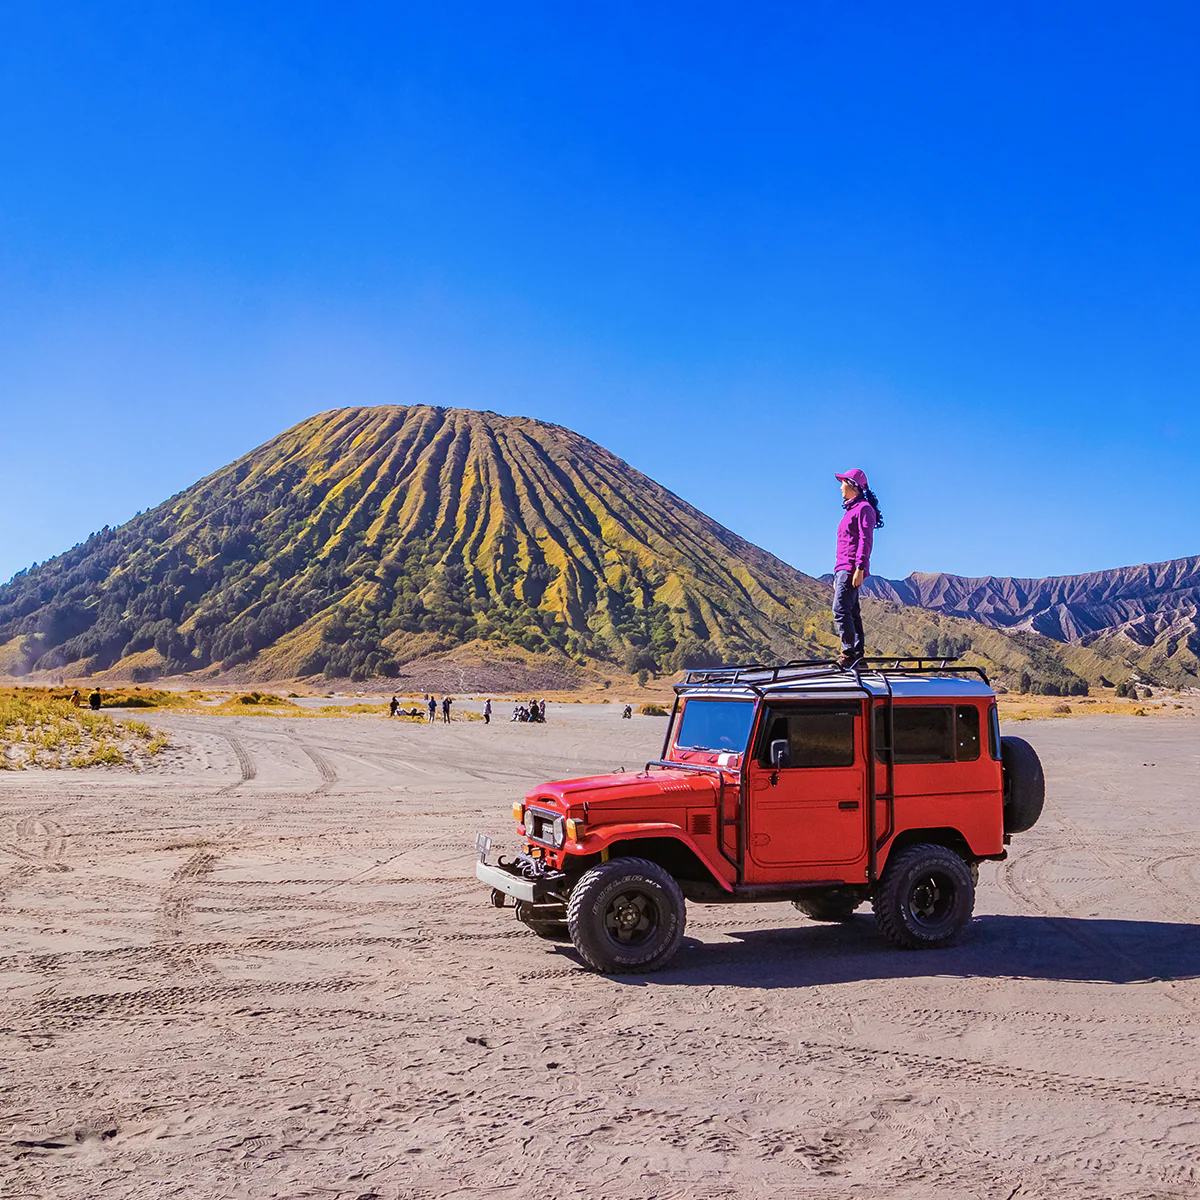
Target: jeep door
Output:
{"points": [[812, 810]]}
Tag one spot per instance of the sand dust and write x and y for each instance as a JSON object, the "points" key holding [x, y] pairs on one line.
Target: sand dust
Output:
{"points": [[268, 972]]}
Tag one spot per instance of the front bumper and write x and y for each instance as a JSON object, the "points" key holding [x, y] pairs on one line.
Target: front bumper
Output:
{"points": [[525, 879], [516, 886]]}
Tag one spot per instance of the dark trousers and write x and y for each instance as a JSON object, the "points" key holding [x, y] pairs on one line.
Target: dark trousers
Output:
{"points": [[847, 615]]}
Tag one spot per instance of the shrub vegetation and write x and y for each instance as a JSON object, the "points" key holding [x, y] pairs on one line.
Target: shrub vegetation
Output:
{"points": [[38, 728]]}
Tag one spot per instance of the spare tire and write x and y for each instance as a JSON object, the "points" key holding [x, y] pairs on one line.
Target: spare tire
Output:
{"points": [[1024, 784]]}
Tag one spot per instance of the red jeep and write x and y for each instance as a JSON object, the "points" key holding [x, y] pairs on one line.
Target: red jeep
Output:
{"points": [[801, 782]]}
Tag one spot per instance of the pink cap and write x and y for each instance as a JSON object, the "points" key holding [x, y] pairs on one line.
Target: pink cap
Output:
{"points": [[856, 477]]}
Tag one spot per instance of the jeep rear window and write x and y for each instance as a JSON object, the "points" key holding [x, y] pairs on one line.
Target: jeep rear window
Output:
{"points": [[927, 733], [715, 725], [966, 732]]}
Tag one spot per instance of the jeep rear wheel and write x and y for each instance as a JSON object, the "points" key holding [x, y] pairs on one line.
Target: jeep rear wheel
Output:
{"points": [[827, 908], [626, 915], [925, 897]]}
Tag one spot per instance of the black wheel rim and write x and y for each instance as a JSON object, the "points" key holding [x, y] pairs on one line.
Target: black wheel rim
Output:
{"points": [[931, 899], [631, 918]]}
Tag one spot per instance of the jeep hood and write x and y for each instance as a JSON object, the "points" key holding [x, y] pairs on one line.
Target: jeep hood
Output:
{"points": [[622, 790]]}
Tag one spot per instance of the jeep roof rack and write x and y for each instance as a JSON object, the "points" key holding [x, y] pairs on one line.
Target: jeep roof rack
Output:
{"points": [[759, 676]]}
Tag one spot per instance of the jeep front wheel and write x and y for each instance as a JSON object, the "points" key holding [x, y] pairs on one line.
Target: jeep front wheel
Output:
{"points": [[626, 915], [925, 897]]}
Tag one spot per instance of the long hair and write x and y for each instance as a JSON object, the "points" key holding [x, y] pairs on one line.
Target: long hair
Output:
{"points": [[873, 501]]}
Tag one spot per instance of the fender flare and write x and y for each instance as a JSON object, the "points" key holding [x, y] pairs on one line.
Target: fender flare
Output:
{"points": [[943, 835], [603, 838]]}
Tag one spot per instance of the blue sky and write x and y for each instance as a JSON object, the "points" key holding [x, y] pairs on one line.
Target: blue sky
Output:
{"points": [[741, 245]]}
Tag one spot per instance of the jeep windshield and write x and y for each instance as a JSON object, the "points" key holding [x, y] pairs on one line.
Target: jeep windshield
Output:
{"points": [[715, 725]]}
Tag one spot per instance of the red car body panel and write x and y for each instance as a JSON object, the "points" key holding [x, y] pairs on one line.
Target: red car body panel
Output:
{"points": [[801, 825]]}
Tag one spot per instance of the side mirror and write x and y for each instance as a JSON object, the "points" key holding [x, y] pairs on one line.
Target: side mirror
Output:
{"points": [[779, 754]]}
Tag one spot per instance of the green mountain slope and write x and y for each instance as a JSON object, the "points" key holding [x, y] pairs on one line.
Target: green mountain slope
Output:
{"points": [[363, 539]]}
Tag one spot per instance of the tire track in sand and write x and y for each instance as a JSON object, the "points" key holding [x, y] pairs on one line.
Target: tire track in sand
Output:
{"points": [[324, 767], [968, 1070], [176, 904], [38, 842], [55, 960], [1016, 878], [245, 763], [152, 1001], [38, 845]]}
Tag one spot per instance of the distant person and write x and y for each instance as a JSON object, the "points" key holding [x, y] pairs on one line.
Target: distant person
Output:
{"points": [[516, 712], [627, 715], [855, 536], [487, 712], [76, 699], [542, 712], [446, 702], [393, 707], [94, 700], [432, 708]]}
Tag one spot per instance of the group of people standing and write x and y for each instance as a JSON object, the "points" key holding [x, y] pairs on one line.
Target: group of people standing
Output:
{"points": [[431, 707], [534, 711]]}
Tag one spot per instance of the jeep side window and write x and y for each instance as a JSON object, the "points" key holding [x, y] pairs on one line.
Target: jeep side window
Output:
{"points": [[818, 735], [994, 731], [927, 733]]}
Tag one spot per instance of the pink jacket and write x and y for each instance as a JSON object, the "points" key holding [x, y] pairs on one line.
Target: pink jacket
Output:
{"points": [[854, 536]]}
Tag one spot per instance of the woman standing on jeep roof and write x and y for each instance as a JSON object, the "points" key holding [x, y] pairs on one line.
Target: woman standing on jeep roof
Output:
{"points": [[854, 537]]}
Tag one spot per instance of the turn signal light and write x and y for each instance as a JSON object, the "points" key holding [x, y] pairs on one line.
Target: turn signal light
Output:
{"points": [[518, 811], [575, 829]]}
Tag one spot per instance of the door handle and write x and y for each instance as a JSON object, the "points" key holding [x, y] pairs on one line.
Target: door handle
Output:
{"points": [[847, 805]]}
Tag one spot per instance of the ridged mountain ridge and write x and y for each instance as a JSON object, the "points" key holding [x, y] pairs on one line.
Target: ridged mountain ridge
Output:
{"points": [[1153, 607], [380, 525], [364, 539]]}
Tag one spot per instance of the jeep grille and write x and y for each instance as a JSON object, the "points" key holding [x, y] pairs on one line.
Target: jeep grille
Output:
{"points": [[545, 827]]}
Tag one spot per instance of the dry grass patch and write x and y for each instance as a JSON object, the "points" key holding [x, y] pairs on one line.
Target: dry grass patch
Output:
{"points": [[256, 702], [38, 729], [1016, 707]]}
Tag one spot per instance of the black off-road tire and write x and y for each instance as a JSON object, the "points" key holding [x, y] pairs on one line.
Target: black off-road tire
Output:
{"points": [[1024, 784], [818, 907], [925, 898], [548, 921], [626, 915]]}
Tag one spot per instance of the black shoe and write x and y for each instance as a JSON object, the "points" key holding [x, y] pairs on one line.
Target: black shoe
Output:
{"points": [[847, 661]]}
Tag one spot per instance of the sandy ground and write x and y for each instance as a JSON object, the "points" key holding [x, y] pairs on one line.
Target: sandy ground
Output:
{"points": [[265, 970]]}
